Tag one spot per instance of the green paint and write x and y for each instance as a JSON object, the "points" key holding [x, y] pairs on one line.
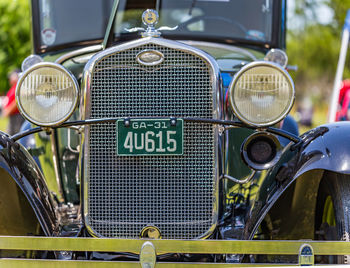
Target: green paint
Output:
{"points": [[42, 141]]}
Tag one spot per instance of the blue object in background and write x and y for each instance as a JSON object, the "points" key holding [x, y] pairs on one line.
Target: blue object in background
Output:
{"points": [[226, 79], [347, 21], [29, 141], [290, 125]]}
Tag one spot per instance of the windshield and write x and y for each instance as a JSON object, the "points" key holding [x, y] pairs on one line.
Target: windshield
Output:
{"points": [[72, 21], [232, 19]]}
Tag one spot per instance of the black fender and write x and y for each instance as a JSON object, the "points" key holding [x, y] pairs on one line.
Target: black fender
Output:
{"points": [[330, 150], [17, 164], [28, 142], [326, 148]]}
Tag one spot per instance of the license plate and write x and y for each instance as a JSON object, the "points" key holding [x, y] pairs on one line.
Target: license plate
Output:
{"points": [[149, 137]]}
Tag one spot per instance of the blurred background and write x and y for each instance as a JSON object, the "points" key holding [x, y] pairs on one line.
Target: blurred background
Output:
{"points": [[313, 44]]}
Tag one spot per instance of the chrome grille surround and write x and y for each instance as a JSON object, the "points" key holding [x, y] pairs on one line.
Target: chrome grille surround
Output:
{"points": [[158, 199]]}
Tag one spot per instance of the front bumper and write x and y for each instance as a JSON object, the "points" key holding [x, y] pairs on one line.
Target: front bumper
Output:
{"points": [[162, 247]]}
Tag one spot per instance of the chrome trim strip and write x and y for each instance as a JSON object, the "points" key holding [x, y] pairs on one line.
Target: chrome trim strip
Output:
{"points": [[217, 113], [55, 66], [227, 123], [79, 52], [216, 45], [110, 23], [243, 181]]}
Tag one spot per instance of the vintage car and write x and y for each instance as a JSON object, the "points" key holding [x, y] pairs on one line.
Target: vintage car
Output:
{"points": [[167, 120]]}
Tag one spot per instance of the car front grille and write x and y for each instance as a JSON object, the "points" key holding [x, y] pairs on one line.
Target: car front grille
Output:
{"points": [[173, 193]]}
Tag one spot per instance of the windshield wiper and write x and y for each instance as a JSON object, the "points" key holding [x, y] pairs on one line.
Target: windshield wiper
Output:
{"points": [[110, 24]]}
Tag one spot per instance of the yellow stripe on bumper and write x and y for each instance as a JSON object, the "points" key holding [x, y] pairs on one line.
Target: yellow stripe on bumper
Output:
{"points": [[162, 247], [172, 246], [27, 263]]}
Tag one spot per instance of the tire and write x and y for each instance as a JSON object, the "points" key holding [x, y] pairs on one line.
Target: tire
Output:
{"points": [[332, 220]]}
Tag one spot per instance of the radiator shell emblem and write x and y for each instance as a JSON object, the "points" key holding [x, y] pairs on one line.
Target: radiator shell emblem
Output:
{"points": [[150, 232], [150, 57]]}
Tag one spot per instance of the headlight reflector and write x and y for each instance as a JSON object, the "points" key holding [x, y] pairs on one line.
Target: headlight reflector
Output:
{"points": [[47, 94], [261, 94]]}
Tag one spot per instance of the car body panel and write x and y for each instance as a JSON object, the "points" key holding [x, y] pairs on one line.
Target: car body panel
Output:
{"points": [[16, 163]]}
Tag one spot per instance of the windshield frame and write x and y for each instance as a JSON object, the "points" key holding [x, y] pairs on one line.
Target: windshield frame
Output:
{"points": [[278, 35]]}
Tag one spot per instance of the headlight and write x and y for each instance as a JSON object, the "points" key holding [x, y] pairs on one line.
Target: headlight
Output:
{"points": [[47, 94], [261, 94]]}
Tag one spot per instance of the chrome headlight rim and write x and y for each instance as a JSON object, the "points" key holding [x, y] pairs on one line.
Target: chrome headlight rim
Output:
{"points": [[266, 136], [251, 66], [50, 65]]}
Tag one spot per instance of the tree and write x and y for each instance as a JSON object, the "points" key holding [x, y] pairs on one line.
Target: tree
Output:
{"points": [[340, 8], [314, 46], [14, 37]]}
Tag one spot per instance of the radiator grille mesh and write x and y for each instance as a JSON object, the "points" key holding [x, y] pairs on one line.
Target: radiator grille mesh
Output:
{"points": [[174, 193]]}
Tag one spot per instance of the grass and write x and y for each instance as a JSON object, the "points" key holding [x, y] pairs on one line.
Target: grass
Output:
{"points": [[3, 124], [319, 117]]}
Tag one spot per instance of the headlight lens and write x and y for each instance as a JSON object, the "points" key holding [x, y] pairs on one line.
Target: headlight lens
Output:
{"points": [[47, 94], [261, 94]]}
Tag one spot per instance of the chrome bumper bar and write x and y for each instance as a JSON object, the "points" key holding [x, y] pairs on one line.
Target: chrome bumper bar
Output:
{"points": [[305, 249]]}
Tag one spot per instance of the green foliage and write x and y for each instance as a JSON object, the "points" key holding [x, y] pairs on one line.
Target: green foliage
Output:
{"points": [[305, 9], [340, 8], [315, 47], [14, 37], [315, 51]]}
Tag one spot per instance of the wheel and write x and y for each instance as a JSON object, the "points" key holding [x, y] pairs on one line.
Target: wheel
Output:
{"points": [[332, 220]]}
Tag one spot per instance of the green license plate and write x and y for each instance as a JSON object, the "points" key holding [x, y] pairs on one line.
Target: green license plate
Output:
{"points": [[149, 137]]}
